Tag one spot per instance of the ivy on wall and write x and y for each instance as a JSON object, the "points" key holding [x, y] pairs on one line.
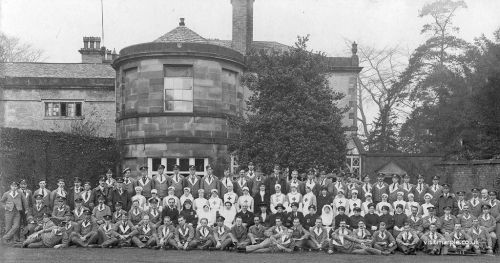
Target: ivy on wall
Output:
{"points": [[35, 155]]}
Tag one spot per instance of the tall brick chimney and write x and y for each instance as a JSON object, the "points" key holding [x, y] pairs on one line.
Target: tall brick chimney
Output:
{"points": [[242, 25], [92, 53]]}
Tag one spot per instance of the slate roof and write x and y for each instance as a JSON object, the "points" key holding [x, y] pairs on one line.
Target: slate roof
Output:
{"points": [[56, 70], [256, 45], [181, 34]]}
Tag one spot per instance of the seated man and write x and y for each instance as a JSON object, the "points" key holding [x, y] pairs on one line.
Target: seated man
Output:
{"points": [[246, 216], [318, 236], [154, 212], [458, 241], [415, 221], [203, 238], [372, 219], [310, 219], [49, 236], [431, 219], [166, 234], [407, 240], [239, 234], [343, 241], [60, 211], [184, 234], [107, 235], [481, 238], [356, 217], [36, 215], [433, 241], [294, 214], [280, 213], [117, 215], [383, 240], [365, 237], [299, 234], [85, 231], [465, 218], [146, 234], [100, 210], [221, 234], [280, 242], [447, 222], [67, 229], [256, 233], [342, 217], [488, 221], [125, 231]]}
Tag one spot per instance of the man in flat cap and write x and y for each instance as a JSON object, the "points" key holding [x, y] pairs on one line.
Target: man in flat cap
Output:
{"points": [[35, 217]]}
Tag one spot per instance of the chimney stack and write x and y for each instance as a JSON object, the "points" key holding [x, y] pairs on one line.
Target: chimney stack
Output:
{"points": [[242, 25], [91, 51]]}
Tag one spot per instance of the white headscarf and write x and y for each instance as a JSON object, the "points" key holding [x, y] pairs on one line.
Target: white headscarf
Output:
{"points": [[229, 215], [327, 218], [209, 215]]}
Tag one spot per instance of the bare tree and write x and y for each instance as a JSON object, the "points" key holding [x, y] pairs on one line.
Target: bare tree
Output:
{"points": [[12, 49], [381, 70]]}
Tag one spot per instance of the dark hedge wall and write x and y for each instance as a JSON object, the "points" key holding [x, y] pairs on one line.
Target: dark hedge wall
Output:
{"points": [[34, 155]]}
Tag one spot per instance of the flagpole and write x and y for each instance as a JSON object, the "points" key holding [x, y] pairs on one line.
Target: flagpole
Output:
{"points": [[102, 23]]}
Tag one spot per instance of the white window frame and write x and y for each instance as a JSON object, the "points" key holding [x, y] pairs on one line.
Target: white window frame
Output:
{"points": [[46, 102], [350, 164], [177, 160]]}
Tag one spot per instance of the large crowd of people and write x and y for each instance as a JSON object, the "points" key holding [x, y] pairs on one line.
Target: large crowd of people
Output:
{"points": [[251, 212]]}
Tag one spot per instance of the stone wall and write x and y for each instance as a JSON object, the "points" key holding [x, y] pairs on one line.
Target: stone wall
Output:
{"points": [[24, 106], [464, 175], [141, 112]]}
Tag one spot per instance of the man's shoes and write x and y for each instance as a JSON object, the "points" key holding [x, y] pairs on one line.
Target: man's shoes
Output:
{"points": [[386, 253], [329, 251]]}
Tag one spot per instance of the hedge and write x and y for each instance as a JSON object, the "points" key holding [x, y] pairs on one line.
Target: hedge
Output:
{"points": [[35, 155]]}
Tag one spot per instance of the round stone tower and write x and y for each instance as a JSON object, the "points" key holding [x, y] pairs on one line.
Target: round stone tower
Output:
{"points": [[173, 99]]}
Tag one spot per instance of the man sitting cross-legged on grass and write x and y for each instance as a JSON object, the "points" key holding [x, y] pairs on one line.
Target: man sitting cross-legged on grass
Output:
{"points": [[107, 234], [383, 240], [221, 234], [146, 234], [125, 231], [459, 242], [318, 236], [239, 234], [166, 234], [407, 240], [299, 235], [184, 234], [481, 238], [256, 233], [433, 241], [203, 238]]}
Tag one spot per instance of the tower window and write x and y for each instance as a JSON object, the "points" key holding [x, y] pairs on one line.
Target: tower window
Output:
{"points": [[178, 88]]}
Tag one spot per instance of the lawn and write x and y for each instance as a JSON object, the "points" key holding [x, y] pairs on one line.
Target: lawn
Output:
{"points": [[73, 255]]}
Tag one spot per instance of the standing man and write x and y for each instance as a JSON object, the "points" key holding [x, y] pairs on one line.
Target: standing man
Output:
{"points": [[128, 183], [59, 191], [251, 171], [45, 193], [209, 182], [421, 189], [380, 188], [14, 204], [446, 199], [146, 183], [88, 196], [110, 181], [120, 195], [193, 181], [75, 192], [435, 189], [162, 182], [242, 182], [276, 179], [102, 190], [258, 180]]}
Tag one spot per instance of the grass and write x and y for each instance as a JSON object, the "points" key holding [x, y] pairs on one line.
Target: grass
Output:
{"points": [[73, 255]]}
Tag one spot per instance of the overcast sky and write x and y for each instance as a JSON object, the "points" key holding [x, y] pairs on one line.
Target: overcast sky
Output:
{"points": [[57, 26]]}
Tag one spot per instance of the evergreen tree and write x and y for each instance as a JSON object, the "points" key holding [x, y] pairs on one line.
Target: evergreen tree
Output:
{"points": [[293, 119]]}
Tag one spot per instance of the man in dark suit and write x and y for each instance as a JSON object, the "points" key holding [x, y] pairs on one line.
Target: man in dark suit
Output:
{"points": [[275, 179], [171, 211], [102, 190], [120, 195], [294, 214]]}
